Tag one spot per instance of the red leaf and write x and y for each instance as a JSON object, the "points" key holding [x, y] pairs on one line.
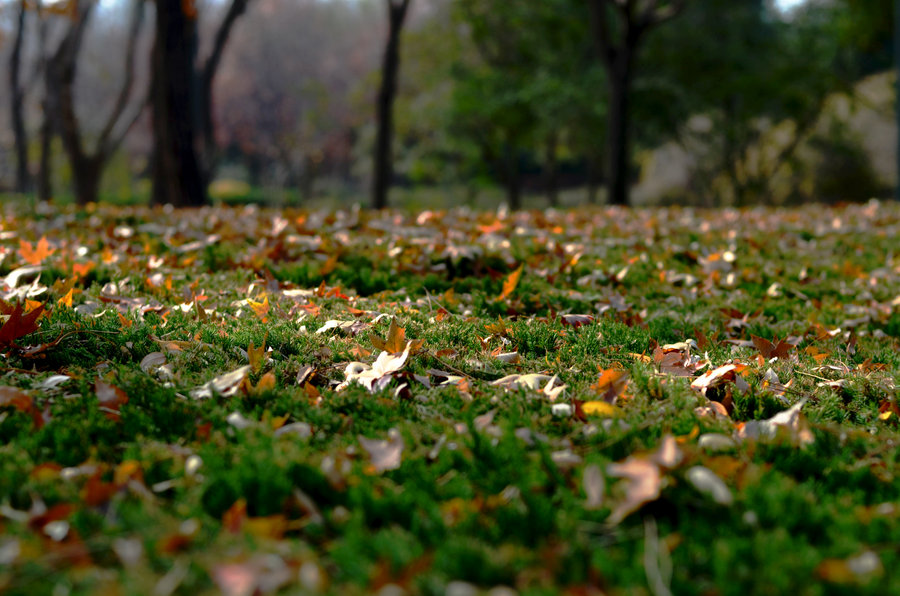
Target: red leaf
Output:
{"points": [[19, 324]]}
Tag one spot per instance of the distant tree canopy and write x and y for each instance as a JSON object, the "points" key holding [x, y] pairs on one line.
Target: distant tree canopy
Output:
{"points": [[530, 96]]}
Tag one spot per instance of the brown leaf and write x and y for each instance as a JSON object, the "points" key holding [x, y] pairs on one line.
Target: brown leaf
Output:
{"points": [[11, 397], [395, 342], [768, 349]]}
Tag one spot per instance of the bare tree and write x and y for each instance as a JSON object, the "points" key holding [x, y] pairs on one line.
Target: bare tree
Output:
{"points": [[390, 69], [61, 69], [17, 104], [184, 145], [617, 44]]}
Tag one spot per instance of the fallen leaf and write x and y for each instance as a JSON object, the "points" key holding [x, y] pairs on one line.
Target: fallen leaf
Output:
{"points": [[769, 350], [706, 482], [12, 397], [594, 484], [225, 385], [643, 483], [602, 409], [34, 255], [789, 420], [19, 325], [396, 339], [510, 283], [611, 384], [384, 454]]}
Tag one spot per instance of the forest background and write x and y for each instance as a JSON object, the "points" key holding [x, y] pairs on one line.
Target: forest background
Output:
{"points": [[443, 102]]}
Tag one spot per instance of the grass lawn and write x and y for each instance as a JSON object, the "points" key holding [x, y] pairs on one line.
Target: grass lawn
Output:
{"points": [[245, 401]]}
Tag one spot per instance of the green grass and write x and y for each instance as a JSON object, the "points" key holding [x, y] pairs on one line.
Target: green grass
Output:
{"points": [[153, 488]]}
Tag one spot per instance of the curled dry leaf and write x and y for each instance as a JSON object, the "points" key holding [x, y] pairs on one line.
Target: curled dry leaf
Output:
{"points": [[790, 420], [706, 482], [594, 483], [576, 320], [375, 377], [643, 484], [152, 360], [532, 381], [225, 385], [384, 454]]}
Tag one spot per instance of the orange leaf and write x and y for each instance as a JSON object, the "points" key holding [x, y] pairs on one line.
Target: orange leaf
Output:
{"points": [[510, 283], [611, 384], [34, 255], [82, 269], [395, 342], [266, 383]]}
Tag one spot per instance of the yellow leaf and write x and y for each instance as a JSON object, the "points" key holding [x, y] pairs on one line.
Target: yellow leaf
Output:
{"points": [[600, 408], [260, 308], [272, 526], [510, 283], [66, 300]]}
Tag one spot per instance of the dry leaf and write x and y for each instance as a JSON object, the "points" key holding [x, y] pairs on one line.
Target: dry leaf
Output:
{"points": [[594, 483], [611, 384], [643, 484], [225, 385], [384, 454], [34, 255], [510, 283]]}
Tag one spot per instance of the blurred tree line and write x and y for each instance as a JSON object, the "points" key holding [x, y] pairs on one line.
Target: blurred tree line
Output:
{"points": [[327, 96]]}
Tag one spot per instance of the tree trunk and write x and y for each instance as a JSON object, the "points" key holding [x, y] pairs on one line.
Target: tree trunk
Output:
{"points": [[87, 180], [177, 177], [383, 174], [593, 179], [44, 175], [207, 78], [617, 140], [17, 104], [512, 178], [551, 177]]}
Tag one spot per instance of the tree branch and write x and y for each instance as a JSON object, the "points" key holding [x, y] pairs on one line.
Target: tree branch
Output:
{"points": [[104, 146]]}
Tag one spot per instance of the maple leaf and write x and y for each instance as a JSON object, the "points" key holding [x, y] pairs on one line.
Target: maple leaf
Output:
{"points": [[35, 255], [256, 356], [768, 350], [19, 325], [510, 283], [260, 308], [395, 342], [611, 384]]}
